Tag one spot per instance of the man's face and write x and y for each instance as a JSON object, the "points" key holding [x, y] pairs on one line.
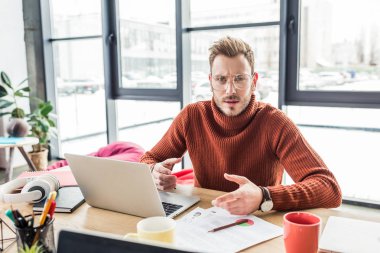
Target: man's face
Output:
{"points": [[232, 101]]}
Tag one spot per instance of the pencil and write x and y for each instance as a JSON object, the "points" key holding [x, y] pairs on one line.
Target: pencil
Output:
{"points": [[229, 225]]}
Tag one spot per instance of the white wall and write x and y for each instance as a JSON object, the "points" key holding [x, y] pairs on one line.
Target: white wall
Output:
{"points": [[12, 55]]}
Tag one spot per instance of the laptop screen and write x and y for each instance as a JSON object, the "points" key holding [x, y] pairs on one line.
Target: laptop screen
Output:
{"points": [[73, 242]]}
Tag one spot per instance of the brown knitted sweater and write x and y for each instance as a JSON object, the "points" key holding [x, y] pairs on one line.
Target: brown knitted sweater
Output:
{"points": [[259, 144]]}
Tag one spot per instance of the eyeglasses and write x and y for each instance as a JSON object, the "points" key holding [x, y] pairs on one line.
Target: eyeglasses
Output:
{"points": [[240, 81]]}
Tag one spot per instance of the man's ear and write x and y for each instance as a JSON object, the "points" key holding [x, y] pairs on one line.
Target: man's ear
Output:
{"points": [[209, 79], [255, 77]]}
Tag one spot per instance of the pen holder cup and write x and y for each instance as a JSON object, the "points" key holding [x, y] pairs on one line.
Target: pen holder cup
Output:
{"points": [[41, 236]]}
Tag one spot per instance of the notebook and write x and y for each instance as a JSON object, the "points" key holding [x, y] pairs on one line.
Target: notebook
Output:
{"points": [[65, 176], [68, 199], [125, 187], [350, 235]]}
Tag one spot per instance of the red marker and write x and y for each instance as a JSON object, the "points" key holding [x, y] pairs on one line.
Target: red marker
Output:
{"points": [[52, 209]]}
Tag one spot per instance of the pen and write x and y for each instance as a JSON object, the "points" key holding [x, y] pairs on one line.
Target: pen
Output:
{"points": [[47, 205], [229, 225], [9, 214], [32, 221], [19, 220], [20, 217]]}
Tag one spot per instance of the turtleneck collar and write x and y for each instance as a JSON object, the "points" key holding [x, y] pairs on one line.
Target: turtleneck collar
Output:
{"points": [[234, 122]]}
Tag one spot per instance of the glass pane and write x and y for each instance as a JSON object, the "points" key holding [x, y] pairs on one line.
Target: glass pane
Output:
{"points": [[73, 18], [347, 140], [226, 12], [265, 43], [339, 52], [145, 122], [80, 89], [148, 49]]}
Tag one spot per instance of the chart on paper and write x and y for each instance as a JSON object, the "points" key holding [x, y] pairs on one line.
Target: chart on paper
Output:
{"points": [[192, 231]]}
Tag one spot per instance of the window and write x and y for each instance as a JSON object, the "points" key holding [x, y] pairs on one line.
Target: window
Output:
{"points": [[347, 140], [347, 54], [225, 12], [215, 19], [73, 18], [79, 78], [332, 80], [338, 56], [147, 53], [148, 44], [147, 122], [310, 56]]}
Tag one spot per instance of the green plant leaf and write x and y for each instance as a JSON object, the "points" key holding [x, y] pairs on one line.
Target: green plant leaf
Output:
{"points": [[25, 89], [5, 104], [4, 113], [42, 126], [3, 91], [45, 126], [18, 113], [23, 81], [35, 248], [5, 79], [51, 123], [46, 110], [18, 94]]}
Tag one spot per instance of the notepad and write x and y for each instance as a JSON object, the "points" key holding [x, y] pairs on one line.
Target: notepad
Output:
{"points": [[68, 199], [350, 235], [65, 177]]}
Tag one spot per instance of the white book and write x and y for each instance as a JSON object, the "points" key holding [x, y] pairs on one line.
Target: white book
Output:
{"points": [[350, 235]]}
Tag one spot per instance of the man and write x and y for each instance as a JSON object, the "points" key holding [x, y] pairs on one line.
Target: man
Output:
{"points": [[242, 146]]}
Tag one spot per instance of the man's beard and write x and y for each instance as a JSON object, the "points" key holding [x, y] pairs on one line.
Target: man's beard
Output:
{"points": [[233, 110]]}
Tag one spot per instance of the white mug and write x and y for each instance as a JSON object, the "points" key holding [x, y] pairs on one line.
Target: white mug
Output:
{"points": [[156, 229]]}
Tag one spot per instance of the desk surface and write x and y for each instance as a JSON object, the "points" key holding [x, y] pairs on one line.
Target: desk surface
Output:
{"points": [[89, 218]]}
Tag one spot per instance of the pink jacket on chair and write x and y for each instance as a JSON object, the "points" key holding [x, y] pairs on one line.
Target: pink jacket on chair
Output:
{"points": [[129, 151]]}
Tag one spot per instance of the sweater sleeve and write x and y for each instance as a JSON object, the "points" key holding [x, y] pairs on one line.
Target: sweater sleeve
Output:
{"points": [[172, 144], [315, 186]]}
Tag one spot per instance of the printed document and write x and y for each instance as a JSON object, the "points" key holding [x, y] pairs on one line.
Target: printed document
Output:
{"points": [[192, 231]]}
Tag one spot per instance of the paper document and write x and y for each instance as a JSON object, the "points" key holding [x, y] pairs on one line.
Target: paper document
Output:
{"points": [[350, 235], [192, 231]]}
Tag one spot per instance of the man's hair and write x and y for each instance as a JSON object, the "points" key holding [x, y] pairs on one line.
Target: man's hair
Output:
{"points": [[231, 47]]}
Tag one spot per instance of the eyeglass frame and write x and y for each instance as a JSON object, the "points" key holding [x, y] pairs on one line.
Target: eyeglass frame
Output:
{"points": [[233, 80]]}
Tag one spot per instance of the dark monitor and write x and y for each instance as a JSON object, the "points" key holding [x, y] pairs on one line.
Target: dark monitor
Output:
{"points": [[70, 241]]}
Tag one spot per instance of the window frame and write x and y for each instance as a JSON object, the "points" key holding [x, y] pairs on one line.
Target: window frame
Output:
{"points": [[293, 96], [111, 37]]}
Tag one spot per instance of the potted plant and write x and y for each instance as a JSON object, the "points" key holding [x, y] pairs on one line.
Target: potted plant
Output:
{"points": [[10, 96], [42, 127]]}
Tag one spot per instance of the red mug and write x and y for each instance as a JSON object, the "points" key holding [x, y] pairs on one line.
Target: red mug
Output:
{"points": [[301, 232]]}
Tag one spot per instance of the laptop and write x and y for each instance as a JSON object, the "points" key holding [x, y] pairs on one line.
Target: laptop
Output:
{"points": [[125, 187], [70, 241], [350, 235]]}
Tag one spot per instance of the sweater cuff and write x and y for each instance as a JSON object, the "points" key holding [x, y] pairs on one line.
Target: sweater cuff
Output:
{"points": [[280, 202]]}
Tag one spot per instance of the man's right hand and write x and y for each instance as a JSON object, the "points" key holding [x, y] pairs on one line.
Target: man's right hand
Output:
{"points": [[162, 174]]}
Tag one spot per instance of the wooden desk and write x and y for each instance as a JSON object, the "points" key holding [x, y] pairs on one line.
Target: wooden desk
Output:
{"points": [[20, 145], [89, 218]]}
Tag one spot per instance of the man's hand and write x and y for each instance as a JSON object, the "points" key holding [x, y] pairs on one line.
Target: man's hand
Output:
{"points": [[244, 200], [162, 174]]}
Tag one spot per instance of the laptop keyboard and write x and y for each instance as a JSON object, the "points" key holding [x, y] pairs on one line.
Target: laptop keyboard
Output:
{"points": [[170, 208]]}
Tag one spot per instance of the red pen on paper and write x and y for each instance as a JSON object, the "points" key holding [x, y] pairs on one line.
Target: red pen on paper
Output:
{"points": [[229, 225], [52, 209]]}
